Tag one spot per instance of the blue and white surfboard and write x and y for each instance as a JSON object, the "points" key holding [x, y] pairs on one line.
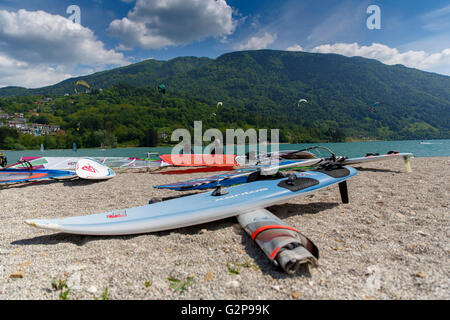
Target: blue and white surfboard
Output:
{"points": [[198, 208]]}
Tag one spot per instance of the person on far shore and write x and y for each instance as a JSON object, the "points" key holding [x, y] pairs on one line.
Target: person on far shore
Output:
{"points": [[3, 160]]}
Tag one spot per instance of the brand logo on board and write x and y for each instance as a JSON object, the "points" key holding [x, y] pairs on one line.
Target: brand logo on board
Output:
{"points": [[242, 194]]}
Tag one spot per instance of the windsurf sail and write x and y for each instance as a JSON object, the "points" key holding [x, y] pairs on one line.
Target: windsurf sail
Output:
{"points": [[378, 157], [14, 176], [238, 176], [69, 163], [250, 159], [128, 163], [200, 160], [206, 183], [262, 158], [283, 245], [254, 172]]}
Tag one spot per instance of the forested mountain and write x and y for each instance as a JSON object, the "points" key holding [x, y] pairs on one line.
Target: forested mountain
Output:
{"points": [[259, 89]]}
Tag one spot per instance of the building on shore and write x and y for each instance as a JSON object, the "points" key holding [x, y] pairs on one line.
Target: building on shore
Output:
{"points": [[36, 129]]}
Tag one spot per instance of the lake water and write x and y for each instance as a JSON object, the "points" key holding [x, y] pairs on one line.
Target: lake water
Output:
{"points": [[420, 148]]}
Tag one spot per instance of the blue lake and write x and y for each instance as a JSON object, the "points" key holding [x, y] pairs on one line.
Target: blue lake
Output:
{"points": [[420, 148]]}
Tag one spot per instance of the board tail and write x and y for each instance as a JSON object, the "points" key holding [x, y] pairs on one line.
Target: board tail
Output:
{"points": [[282, 244]]}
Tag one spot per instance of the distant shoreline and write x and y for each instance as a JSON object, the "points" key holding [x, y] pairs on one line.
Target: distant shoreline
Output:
{"points": [[425, 142], [432, 149]]}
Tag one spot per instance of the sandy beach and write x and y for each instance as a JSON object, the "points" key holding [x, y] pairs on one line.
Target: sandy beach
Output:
{"points": [[390, 242]]}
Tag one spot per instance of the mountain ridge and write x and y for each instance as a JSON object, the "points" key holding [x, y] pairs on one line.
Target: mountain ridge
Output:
{"points": [[261, 88]]}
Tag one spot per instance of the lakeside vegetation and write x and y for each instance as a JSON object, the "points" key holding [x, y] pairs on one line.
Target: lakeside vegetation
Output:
{"points": [[126, 116], [258, 89]]}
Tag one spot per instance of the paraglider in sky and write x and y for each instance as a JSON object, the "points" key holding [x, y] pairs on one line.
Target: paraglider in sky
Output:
{"points": [[219, 104], [162, 88], [374, 105], [300, 101], [81, 83]]}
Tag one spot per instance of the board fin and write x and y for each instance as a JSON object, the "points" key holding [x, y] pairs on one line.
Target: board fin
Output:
{"points": [[343, 190], [282, 244]]}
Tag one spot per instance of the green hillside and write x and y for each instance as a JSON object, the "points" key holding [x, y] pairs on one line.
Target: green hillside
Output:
{"points": [[258, 89]]}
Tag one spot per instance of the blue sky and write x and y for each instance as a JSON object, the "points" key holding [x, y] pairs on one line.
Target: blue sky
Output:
{"points": [[40, 46]]}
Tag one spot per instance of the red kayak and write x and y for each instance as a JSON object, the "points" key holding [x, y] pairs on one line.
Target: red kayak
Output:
{"points": [[200, 160]]}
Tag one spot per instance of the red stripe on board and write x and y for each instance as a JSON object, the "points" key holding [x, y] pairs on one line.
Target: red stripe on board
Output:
{"points": [[111, 216]]}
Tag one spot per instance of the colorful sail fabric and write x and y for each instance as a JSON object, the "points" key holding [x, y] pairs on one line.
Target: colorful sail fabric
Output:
{"points": [[13, 176], [69, 163]]}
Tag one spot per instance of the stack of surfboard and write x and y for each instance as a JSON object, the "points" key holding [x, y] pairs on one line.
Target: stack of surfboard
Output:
{"points": [[69, 163], [270, 165], [86, 168], [260, 187], [283, 245]]}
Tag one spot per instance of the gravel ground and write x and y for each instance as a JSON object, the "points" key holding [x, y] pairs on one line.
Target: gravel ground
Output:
{"points": [[390, 242]]}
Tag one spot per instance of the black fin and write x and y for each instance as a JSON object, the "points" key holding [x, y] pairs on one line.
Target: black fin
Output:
{"points": [[344, 191]]}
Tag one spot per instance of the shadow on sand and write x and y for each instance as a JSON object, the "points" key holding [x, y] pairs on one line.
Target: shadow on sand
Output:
{"points": [[69, 182], [282, 211], [377, 170]]}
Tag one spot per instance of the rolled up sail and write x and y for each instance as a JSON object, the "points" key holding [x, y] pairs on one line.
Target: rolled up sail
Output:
{"points": [[282, 244]]}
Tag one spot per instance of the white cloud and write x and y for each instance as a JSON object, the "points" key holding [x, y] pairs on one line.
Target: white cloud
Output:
{"points": [[38, 49], [40, 37], [258, 42], [414, 59], [295, 47], [345, 19], [437, 20], [27, 76], [155, 24]]}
